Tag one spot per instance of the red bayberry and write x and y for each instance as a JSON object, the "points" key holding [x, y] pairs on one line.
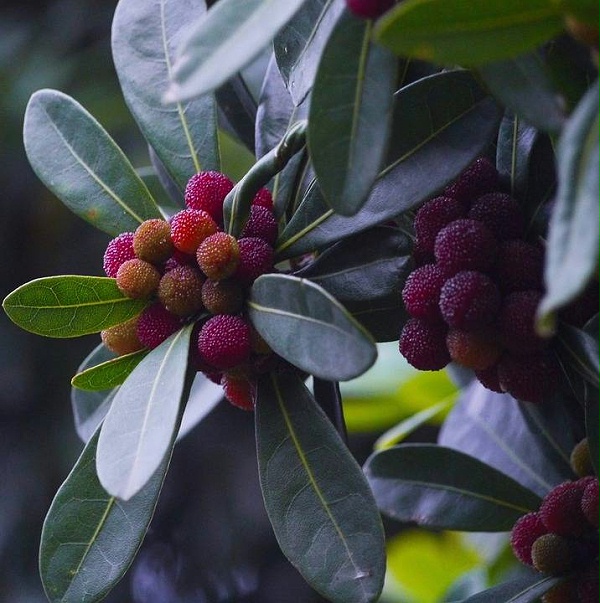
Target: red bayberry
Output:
{"points": [[256, 258], [525, 532], [137, 278], [423, 344], [432, 217], [501, 214], [516, 322], [222, 297], [152, 241], [530, 378], [122, 339], [369, 9], [587, 585], [224, 341], [519, 266], [477, 350], [589, 502], [218, 256], [421, 292], [262, 224], [180, 290], [561, 509], [190, 227], [118, 250], [479, 178], [207, 191], [240, 391], [263, 199], [489, 378], [156, 324]]}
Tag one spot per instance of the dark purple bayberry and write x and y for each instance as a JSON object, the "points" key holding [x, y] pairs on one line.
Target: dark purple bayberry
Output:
{"points": [[519, 266], [369, 9], [432, 217], [118, 251], [516, 322], [255, 258], [501, 214], [224, 341], [479, 178], [423, 344], [421, 292], [156, 324], [262, 224]]}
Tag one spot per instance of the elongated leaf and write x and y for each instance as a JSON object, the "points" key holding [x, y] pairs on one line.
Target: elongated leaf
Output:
{"points": [[140, 427], [227, 39], [370, 265], [90, 538], [582, 352], [317, 499], [572, 251], [525, 589], [237, 111], [383, 317], [442, 488], [523, 84], [108, 374], [298, 46], [145, 37], [204, 396], [592, 423], [453, 32], [309, 328], [444, 111], [69, 306], [83, 166], [350, 114]]}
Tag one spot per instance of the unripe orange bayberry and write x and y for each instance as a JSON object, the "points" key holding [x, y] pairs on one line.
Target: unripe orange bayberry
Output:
{"points": [[423, 344], [256, 258], [262, 224], [525, 532], [190, 227], [589, 502], [218, 256], [421, 292], [531, 378], [553, 554], [224, 341], [240, 391], [477, 350], [122, 339], [222, 297], [156, 324], [263, 199], [207, 191], [152, 241], [137, 279], [516, 322], [581, 460], [180, 290], [561, 509], [118, 250], [432, 217], [519, 266], [479, 178], [369, 9], [501, 214]]}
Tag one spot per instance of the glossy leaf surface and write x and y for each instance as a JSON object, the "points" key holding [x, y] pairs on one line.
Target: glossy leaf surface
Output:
{"points": [[439, 487], [140, 427], [383, 316], [526, 589], [453, 32], [145, 37], [90, 538], [70, 306], [108, 374], [592, 424], [227, 39], [582, 350], [83, 166], [316, 496], [309, 328]]}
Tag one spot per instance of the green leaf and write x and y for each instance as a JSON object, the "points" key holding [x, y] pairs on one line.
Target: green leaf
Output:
{"points": [[319, 504], [108, 374], [83, 166], [298, 46], [453, 32], [204, 396], [140, 427], [592, 423], [526, 589], [573, 234], [309, 328], [145, 37], [442, 111], [350, 114], [70, 306], [524, 85], [581, 349], [229, 37], [89, 538], [439, 487], [584, 10], [383, 317]]}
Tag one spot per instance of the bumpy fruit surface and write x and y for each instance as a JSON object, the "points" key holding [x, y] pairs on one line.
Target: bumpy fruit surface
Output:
{"points": [[263, 198], [152, 241], [137, 279], [587, 585], [240, 391], [581, 460], [262, 224], [156, 324], [519, 266], [118, 251], [501, 214], [561, 509], [477, 350], [207, 191], [222, 297], [525, 532], [218, 256], [589, 502], [423, 344], [122, 339], [479, 178], [224, 341], [255, 258], [180, 290], [489, 378], [369, 9], [516, 322], [532, 380], [421, 292], [432, 217], [553, 554], [190, 227]]}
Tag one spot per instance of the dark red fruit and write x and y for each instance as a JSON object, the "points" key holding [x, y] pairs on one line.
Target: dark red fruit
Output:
{"points": [[587, 585], [423, 344], [525, 532], [529, 378], [224, 341], [421, 292], [519, 266], [479, 178], [432, 217], [156, 324], [561, 509], [152, 241], [222, 297], [240, 391], [369, 9], [554, 554], [263, 199], [489, 378], [469, 300], [420, 256], [218, 256], [262, 224], [256, 258], [137, 279], [516, 322], [122, 339], [477, 350], [180, 290], [589, 502], [501, 214], [119, 250], [190, 227], [465, 245], [207, 191], [563, 592]]}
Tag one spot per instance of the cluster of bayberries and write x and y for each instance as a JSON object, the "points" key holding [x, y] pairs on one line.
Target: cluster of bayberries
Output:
{"points": [[190, 270], [561, 539], [474, 293]]}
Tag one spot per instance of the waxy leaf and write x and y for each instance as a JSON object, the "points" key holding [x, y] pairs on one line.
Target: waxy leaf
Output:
{"points": [[350, 114], [229, 37], [83, 166], [308, 327], [383, 317], [437, 113], [581, 349], [108, 374], [145, 37], [442, 488], [141, 425], [452, 32], [204, 396], [319, 504], [573, 234], [237, 111], [70, 306], [524, 589], [90, 538], [592, 424]]}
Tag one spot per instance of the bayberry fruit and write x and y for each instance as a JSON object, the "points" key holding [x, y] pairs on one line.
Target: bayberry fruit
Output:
{"points": [[218, 256], [561, 509], [423, 344], [122, 339], [263, 199], [553, 554], [501, 214], [224, 341], [190, 227], [477, 350], [421, 292], [432, 217], [156, 324], [118, 250], [519, 266], [240, 391], [137, 279], [222, 297], [152, 241], [516, 322], [369, 9], [532, 378], [256, 258], [525, 532], [207, 191], [262, 224], [479, 178], [180, 290], [587, 585], [581, 460], [563, 592], [589, 502], [489, 378]]}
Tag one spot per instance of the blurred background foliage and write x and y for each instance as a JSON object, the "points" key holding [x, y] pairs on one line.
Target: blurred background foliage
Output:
{"points": [[210, 540]]}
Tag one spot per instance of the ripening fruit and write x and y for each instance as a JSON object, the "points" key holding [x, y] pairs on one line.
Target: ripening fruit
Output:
{"points": [[218, 256], [516, 322], [263, 199], [525, 532], [553, 554], [589, 502], [180, 290], [118, 250], [122, 339], [152, 241], [207, 191], [240, 391], [137, 279], [421, 292], [532, 378], [581, 460], [561, 509], [519, 266], [256, 258], [222, 297], [423, 344], [262, 224], [432, 217], [156, 324], [501, 214], [369, 9], [190, 227], [224, 341], [465, 245], [477, 350], [479, 178]]}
